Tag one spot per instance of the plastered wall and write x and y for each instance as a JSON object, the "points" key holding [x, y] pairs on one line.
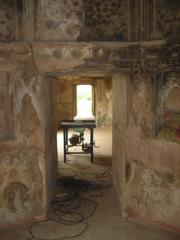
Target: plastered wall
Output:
{"points": [[7, 21], [146, 167], [146, 157], [86, 20], [22, 169], [148, 187]]}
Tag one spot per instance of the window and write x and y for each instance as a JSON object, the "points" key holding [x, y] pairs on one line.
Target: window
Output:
{"points": [[84, 102]]}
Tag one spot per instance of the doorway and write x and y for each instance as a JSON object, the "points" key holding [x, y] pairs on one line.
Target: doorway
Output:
{"points": [[86, 98], [104, 169], [119, 86]]}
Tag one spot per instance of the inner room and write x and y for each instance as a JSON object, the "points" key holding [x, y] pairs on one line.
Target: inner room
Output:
{"points": [[85, 99]]}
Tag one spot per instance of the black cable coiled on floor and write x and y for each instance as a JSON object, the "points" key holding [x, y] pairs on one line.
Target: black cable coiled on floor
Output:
{"points": [[66, 208]]}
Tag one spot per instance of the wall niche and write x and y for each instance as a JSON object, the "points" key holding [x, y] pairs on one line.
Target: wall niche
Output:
{"points": [[168, 107]]}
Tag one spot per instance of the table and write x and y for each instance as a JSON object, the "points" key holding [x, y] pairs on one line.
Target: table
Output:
{"points": [[66, 125]]}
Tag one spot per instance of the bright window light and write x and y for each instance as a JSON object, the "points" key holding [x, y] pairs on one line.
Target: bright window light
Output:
{"points": [[84, 96]]}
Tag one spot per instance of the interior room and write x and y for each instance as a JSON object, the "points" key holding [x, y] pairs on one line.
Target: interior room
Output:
{"points": [[89, 119]]}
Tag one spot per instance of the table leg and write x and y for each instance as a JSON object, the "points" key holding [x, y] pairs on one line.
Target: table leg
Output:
{"points": [[65, 142], [92, 146]]}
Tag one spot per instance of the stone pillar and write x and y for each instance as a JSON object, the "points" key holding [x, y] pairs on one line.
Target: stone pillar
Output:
{"points": [[120, 117]]}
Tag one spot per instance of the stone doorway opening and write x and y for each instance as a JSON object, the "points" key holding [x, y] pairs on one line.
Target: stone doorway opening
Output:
{"points": [[101, 111], [116, 162]]}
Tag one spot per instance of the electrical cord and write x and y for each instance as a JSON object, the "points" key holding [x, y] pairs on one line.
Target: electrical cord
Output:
{"points": [[59, 208], [67, 208], [59, 238]]}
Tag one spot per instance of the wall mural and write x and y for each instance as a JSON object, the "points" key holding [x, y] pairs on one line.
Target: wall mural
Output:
{"points": [[7, 20], [90, 20], [152, 19], [168, 17], [168, 107], [106, 20], [142, 100], [59, 19], [6, 93]]}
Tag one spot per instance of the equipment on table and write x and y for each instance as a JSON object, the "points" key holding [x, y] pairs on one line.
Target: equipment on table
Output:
{"points": [[77, 138]]}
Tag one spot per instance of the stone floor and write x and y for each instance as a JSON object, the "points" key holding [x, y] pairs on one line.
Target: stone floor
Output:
{"points": [[106, 222]]}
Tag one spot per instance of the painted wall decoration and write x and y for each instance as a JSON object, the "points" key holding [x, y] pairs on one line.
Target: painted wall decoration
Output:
{"points": [[103, 104], [89, 20], [81, 20], [152, 19], [7, 20], [142, 19], [106, 20], [142, 100], [168, 107], [59, 20], [168, 17], [7, 108], [21, 159]]}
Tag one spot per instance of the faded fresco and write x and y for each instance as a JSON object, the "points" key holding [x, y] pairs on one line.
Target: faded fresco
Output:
{"points": [[168, 107], [7, 20], [59, 20], [106, 20], [168, 17], [7, 106], [63, 37]]}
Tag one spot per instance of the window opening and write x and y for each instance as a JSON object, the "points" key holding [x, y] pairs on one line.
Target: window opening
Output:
{"points": [[84, 102]]}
